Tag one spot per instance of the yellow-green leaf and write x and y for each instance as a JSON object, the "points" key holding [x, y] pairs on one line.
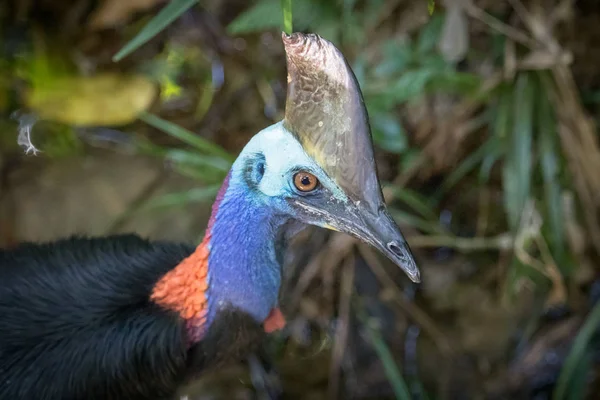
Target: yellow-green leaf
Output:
{"points": [[101, 100]]}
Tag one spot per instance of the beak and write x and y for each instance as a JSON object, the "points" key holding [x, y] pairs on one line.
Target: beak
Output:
{"points": [[375, 227], [380, 231]]}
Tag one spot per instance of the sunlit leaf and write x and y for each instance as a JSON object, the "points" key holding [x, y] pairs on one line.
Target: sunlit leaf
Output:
{"points": [[318, 16], [430, 6], [101, 100], [286, 5], [173, 10], [265, 14]]}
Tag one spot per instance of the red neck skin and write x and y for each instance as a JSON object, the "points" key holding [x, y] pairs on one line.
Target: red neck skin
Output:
{"points": [[185, 288]]}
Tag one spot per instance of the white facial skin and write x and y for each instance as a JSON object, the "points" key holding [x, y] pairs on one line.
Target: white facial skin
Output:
{"points": [[284, 156]]}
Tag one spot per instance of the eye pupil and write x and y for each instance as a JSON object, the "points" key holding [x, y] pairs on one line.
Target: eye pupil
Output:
{"points": [[305, 181], [261, 169]]}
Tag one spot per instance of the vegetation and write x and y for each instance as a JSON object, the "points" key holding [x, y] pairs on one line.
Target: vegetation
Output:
{"points": [[488, 153]]}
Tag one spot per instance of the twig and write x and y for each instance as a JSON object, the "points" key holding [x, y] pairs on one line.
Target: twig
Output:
{"points": [[501, 242], [507, 30], [338, 247], [411, 309]]}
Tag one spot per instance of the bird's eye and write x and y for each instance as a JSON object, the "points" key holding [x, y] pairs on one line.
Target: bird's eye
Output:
{"points": [[305, 181]]}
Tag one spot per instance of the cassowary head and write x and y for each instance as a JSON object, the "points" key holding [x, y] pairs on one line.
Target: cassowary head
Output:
{"points": [[317, 165]]}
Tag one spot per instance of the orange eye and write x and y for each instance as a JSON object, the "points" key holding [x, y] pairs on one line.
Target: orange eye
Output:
{"points": [[305, 182]]}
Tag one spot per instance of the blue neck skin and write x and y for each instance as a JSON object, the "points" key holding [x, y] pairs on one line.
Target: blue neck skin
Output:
{"points": [[245, 255]]}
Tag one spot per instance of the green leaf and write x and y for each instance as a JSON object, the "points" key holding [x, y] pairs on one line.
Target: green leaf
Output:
{"points": [[185, 136], [409, 86], [391, 369], [576, 355], [518, 161], [452, 81], [388, 133], [415, 201], [430, 6], [286, 5], [204, 175], [197, 195], [488, 163], [198, 160], [577, 387], [468, 165], [548, 148], [266, 14], [429, 227], [397, 56], [168, 14], [429, 34]]}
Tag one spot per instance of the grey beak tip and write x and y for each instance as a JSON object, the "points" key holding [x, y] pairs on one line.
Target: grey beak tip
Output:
{"points": [[415, 277], [407, 262]]}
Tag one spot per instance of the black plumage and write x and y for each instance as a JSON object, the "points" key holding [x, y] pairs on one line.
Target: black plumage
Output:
{"points": [[77, 323]]}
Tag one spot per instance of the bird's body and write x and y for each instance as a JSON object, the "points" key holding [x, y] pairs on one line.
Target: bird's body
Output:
{"points": [[125, 318], [78, 323]]}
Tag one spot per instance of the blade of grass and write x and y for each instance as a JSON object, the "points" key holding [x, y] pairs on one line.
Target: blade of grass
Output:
{"points": [[578, 386], [413, 220], [286, 6], [517, 163], [204, 175], [185, 136], [198, 195], [468, 165], [168, 14], [488, 163], [550, 161], [415, 201], [392, 371], [578, 350], [199, 160]]}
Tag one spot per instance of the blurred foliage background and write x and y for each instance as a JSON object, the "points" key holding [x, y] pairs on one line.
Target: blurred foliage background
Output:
{"points": [[126, 115]]}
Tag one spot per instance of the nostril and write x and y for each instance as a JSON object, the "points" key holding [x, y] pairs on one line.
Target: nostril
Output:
{"points": [[395, 248]]}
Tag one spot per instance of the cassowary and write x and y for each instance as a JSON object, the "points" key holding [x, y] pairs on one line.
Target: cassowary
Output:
{"points": [[121, 317]]}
